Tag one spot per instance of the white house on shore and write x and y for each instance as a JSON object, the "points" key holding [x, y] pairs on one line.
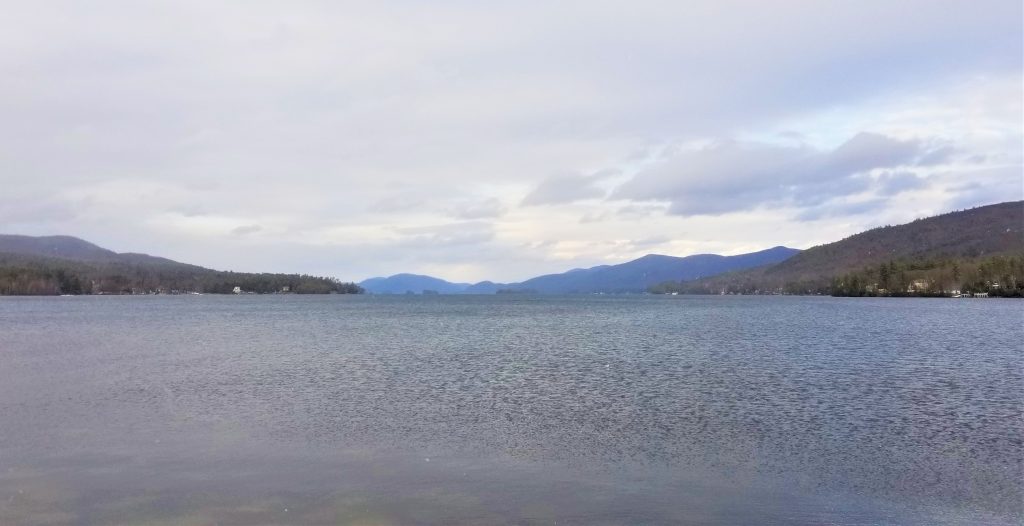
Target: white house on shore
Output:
{"points": [[237, 290]]}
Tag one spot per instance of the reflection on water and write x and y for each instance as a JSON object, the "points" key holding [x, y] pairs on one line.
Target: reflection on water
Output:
{"points": [[580, 410]]}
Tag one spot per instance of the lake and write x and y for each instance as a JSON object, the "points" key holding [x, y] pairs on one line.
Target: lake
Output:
{"points": [[510, 410]]}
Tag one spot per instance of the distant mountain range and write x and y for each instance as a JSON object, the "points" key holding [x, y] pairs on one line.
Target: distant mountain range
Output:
{"points": [[981, 249], [926, 249], [68, 265], [632, 276]]}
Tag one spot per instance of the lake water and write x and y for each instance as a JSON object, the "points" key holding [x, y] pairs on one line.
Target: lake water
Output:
{"points": [[510, 409]]}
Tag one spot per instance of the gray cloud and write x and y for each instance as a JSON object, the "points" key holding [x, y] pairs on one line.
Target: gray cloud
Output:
{"points": [[730, 176], [40, 210], [892, 183], [864, 151], [567, 188], [246, 230], [841, 209], [986, 186]]}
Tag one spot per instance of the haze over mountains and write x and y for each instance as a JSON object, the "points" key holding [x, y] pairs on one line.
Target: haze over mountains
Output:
{"points": [[632, 276]]}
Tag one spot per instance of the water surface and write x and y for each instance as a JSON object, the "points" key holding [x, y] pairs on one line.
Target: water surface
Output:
{"points": [[519, 410]]}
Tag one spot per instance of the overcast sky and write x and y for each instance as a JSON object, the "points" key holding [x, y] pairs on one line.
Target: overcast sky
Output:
{"points": [[487, 140]]}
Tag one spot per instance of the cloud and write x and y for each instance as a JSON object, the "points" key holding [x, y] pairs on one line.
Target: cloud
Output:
{"points": [[39, 210], [650, 242], [189, 210], [986, 186], [596, 217], [246, 230], [485, 209], [864, 151], [729, 176], [446, 235], [567, 188], [366, 142], [940, 155], [840, 208], [397, 203], [892, 183], [630, 212]]}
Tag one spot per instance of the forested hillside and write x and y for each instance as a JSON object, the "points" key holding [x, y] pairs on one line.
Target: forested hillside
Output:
{"points": [[66, 265], [958, 250], [994, 276]]}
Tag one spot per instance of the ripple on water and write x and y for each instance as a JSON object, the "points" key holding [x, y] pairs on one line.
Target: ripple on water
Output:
{"points": [[913, 400]]}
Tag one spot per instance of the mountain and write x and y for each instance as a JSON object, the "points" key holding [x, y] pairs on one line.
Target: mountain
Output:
{"points": [[632, 276], [963, 237], [68, 265], [75, 249], [637, 275], [403, 283], [66, 247], [484, 287]]}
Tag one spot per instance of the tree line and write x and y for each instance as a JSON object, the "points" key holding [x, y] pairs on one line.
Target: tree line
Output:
{"points": [[36, 276], [1001, 276]]}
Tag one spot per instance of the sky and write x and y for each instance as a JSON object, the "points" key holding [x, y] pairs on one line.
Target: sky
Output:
{"points": [[499, 140]]}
